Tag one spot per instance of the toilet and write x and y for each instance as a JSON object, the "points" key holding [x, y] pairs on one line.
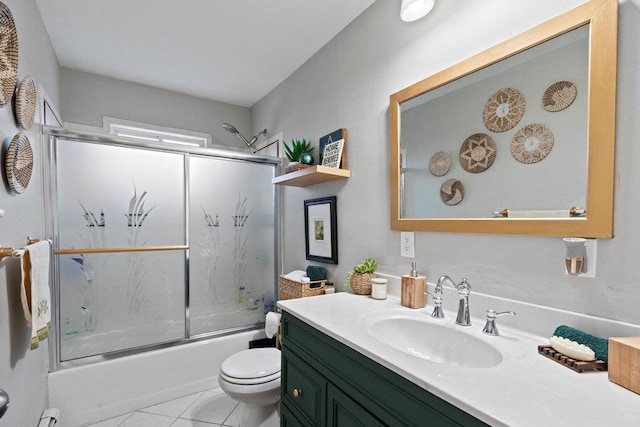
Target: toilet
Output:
{"points": [[252, 377]]}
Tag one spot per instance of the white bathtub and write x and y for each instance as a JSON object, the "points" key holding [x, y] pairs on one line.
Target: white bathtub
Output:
{"points": [[103, 390]]}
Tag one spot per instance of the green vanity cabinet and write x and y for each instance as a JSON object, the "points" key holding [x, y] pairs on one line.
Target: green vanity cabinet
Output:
{"points": [[326, 383]]}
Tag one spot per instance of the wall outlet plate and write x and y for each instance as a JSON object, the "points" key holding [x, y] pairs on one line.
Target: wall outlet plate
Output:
{"points": [[407, 244]]}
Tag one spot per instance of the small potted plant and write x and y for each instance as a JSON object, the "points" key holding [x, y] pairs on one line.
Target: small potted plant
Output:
{"points": [[299, 151], [360, 277]]}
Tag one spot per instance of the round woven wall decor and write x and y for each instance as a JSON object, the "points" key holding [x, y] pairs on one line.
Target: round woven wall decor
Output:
{"points": [[19, 163], [477, 153], [8, 55], [440, 163], [504, 110], [452, 192], [559, 96], [26, 102], [532, 143]]}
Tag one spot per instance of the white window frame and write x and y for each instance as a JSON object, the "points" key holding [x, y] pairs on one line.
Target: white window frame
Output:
{"points": [[148, 132]]}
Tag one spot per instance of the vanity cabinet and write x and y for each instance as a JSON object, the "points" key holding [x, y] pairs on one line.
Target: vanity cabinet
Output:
{"points": [[326, 383]]}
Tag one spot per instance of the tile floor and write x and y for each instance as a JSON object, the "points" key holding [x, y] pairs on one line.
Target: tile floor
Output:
{"points": [[205, 409]]}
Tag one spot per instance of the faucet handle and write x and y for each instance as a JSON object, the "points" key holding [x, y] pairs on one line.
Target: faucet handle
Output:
{"points": [[464, 287], [490, 327], [437, 303]]}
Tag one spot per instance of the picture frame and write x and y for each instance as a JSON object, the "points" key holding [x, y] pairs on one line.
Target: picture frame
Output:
{"points": [[321, 229], [336, 135]]}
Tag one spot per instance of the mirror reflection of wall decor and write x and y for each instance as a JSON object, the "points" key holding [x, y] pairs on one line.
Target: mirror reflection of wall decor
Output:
{"points": [[559, 96], [504, 110], [532, 143], [8, 55], [477, 153], [452, 192], [440, 164], [321, 229], [580, 47]]}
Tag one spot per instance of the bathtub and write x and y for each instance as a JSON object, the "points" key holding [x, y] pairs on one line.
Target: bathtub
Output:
{"points": [[91, 393]]}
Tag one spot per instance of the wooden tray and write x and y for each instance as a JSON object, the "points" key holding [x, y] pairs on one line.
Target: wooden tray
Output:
{"points": [[576, 365]]}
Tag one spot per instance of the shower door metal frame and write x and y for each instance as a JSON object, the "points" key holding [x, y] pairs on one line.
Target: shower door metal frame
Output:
{"points": [[50, 136]]}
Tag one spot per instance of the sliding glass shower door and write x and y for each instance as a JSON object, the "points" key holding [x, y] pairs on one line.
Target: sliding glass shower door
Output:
{"points": [[155, 245]]}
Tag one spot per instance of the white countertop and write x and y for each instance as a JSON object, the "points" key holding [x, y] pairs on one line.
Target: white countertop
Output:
{"points": [[525, 389]]}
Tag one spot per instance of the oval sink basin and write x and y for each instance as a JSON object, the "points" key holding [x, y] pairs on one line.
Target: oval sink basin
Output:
{"points": [[434, 342]]}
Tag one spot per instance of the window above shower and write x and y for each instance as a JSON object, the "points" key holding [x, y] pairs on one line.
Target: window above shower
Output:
{"points": [[146, 132]]}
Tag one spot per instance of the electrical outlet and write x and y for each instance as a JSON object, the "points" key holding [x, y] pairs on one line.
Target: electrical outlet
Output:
{"points": [[406, 244]]}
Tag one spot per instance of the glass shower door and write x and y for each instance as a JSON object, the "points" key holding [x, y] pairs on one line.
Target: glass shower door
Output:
{"points": [[119, 197], [232, 243]]}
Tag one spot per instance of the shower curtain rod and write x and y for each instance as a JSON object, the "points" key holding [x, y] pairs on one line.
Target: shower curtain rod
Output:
{"points": [[77, 251]]}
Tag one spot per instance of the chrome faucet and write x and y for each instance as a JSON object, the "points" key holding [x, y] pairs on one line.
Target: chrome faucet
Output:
{"points": [[490, 327], [463, 288]]}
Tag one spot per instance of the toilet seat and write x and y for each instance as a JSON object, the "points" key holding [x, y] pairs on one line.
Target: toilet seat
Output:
{"points": [[254, 366]]}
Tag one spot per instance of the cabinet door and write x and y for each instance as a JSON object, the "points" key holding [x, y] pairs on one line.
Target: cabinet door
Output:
{"points": [[287, 419], [342, 411], [303, 389]]}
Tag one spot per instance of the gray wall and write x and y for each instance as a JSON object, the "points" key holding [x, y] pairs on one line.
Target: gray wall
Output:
{"points": [[86, 98], [348, 83], [23, 372]]}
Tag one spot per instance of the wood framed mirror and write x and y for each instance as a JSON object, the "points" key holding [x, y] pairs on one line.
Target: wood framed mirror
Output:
{"points": [[505, 180]]}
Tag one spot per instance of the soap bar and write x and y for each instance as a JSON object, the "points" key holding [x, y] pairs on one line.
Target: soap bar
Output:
{"points": [[413, 291], [624, 362]]}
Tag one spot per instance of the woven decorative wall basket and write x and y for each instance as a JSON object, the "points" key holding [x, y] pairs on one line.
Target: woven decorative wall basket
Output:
{"points": [[8, 55], [26, 99]]}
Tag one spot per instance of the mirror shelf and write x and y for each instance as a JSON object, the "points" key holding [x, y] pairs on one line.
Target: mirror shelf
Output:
{"points": [[595, 22]]}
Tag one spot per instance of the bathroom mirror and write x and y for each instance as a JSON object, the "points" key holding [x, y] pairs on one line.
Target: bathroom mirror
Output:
{"points": [[511, 139]]}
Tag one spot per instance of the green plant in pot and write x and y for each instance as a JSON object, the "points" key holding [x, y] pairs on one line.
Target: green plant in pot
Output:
{"points": [[299, 151], [360, 277]]}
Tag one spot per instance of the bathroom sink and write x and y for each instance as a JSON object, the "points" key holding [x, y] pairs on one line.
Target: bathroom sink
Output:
{"points": [[422, 338]]}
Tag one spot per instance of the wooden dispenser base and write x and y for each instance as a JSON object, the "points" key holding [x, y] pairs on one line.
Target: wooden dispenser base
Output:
{"points": [[413, 291]]}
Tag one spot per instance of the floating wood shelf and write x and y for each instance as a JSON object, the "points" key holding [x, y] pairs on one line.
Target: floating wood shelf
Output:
{"points": [[310, 176]]}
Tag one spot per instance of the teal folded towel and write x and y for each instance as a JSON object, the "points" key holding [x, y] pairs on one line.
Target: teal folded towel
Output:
{"points": [[316, 272], [600, 346]]}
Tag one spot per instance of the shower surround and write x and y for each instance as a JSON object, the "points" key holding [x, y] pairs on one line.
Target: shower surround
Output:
{"points": [[156, 245]]}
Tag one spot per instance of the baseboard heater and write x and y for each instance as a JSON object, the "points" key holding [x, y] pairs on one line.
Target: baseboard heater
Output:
{"points": [[49, 417]]}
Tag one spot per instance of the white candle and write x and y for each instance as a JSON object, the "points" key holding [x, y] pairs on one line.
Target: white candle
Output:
{"points": [[378, 288]]}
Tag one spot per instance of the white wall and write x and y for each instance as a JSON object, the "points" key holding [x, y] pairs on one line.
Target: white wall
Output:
{"points": [[23, 372], [348, 83], [87, 98]]}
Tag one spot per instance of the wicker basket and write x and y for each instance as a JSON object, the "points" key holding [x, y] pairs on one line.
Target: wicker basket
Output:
{"points": [[290, 289], [361, 283], [295, 167]]}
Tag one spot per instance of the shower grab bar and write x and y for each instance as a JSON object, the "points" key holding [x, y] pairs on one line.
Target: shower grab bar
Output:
{"points": [[78, 251]]}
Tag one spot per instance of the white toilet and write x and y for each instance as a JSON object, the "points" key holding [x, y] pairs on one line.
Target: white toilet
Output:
{"points": [[252, 377]]}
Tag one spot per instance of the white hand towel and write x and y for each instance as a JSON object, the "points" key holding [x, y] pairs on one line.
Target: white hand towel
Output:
{"points": [[36, 295], [296, 275]]}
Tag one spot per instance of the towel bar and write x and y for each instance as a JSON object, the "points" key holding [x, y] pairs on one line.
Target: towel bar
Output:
{"points": [[77, 251], [16, 253]]}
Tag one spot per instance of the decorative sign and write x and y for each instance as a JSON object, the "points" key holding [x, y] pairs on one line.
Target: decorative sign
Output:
{"points": [[333, 154], [336, 135]]}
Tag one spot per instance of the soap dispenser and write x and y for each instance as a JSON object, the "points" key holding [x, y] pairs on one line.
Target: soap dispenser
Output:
{"points": [[413, 289]]}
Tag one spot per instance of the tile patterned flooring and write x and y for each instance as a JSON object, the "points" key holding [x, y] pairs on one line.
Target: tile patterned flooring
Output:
{"points": [[205, 409]]}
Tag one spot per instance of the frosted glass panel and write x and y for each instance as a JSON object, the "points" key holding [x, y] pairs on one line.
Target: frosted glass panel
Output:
{"points": [[117, 301], [232, 241], [110, 196]]}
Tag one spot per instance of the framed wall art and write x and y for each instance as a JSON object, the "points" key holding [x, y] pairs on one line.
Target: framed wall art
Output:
{"points": [[321, 229]]}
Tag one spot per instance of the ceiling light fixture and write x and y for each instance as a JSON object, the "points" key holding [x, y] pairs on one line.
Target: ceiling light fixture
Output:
{"points": [[410, 10]]}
